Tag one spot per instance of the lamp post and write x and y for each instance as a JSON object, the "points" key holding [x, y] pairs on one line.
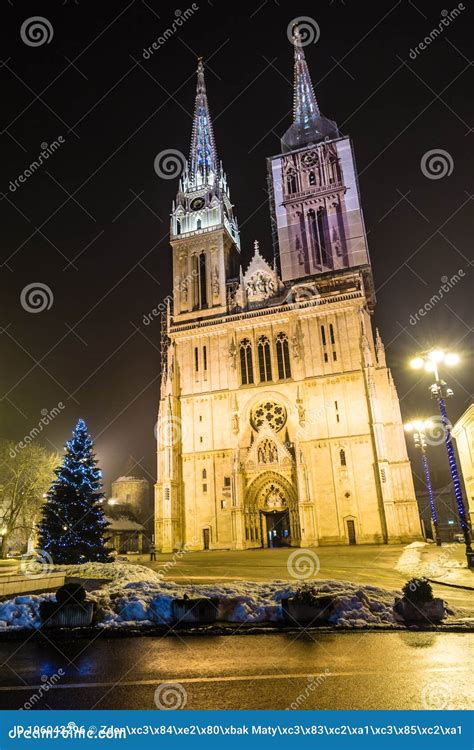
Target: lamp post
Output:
{"points": [[418, 428], [431, 361]]}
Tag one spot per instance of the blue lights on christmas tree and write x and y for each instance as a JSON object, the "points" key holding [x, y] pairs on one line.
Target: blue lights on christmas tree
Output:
{"points": [[73, 526]]}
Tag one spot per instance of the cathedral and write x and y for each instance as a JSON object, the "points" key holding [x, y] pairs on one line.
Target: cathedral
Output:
{"points": [[279, 422]]}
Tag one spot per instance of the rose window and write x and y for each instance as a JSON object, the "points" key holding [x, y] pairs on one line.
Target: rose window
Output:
{"points": [[268, 412]]}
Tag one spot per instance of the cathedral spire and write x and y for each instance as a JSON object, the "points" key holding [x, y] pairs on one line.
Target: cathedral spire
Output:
{"points": [[305, 106], [309, 125], [203, 162]]}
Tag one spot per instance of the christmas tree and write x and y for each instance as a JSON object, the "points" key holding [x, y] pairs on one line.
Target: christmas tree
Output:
{"points": [[73, 525]]}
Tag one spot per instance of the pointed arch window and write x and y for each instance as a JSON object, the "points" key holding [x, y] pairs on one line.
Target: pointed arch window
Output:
{"points": [[312, 178], [342, 457], [291, 183], [283, 356], [264, 359], [246, 362], [202, 280]]}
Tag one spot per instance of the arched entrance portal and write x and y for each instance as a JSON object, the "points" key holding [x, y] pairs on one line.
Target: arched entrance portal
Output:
{"points": [[271, 515]]}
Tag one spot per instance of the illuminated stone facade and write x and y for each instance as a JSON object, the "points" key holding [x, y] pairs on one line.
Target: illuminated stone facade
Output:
{"points": [[279, 422]]}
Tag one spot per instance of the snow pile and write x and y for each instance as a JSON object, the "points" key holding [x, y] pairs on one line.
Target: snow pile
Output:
{"points": [[22, 612], [125, 603], [124, 572]]}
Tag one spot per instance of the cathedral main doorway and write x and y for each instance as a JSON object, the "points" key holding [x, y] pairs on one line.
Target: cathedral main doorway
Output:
{"points": [[277, 527]]}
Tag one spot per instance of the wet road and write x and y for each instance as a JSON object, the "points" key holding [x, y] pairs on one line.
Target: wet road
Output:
{"points": [[327, 670]]}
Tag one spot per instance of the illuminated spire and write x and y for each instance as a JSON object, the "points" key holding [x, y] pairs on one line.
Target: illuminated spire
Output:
{"points": [[305, 106], [309, 125], [203, 163]]}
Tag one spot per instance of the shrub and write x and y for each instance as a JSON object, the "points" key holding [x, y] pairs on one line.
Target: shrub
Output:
{"points": [[309, 595], [71, 593], [418, 591]]}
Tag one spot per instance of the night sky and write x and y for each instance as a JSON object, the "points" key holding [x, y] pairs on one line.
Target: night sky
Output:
{"points": [[92, 222]]}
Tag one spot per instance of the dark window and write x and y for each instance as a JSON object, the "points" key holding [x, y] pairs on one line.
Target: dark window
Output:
{"points": [[322, 233], [178, 226], [196, 358], [202, 280], [326, 357], [331, 333], [195, 282], [342, 456], [204, 356], [323, 335], [204, 474], [264, 359], [246, 363], [283, 356], [226, 481], [334, 356], [198, 225], [204, 487], [291, 183]]}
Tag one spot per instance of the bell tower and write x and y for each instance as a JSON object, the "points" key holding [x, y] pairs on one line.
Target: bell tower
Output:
{"points": [[316, 212], [204, 230]]}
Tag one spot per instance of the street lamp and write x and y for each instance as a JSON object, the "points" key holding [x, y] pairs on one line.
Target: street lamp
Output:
{"points": [[418, 428], [439, 390]]}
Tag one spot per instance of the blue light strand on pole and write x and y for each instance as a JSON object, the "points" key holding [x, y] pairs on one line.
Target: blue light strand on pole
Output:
{"points": [[429, 487]]}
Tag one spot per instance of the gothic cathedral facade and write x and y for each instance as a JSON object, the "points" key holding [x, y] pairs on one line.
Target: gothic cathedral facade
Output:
{"points": [[279, 422]]}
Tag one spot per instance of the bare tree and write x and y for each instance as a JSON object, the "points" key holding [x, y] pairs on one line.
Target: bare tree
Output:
{"points": [[25, 476]]}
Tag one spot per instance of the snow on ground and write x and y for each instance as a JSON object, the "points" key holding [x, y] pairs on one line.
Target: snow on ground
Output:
{"points": [[409, 561]]}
